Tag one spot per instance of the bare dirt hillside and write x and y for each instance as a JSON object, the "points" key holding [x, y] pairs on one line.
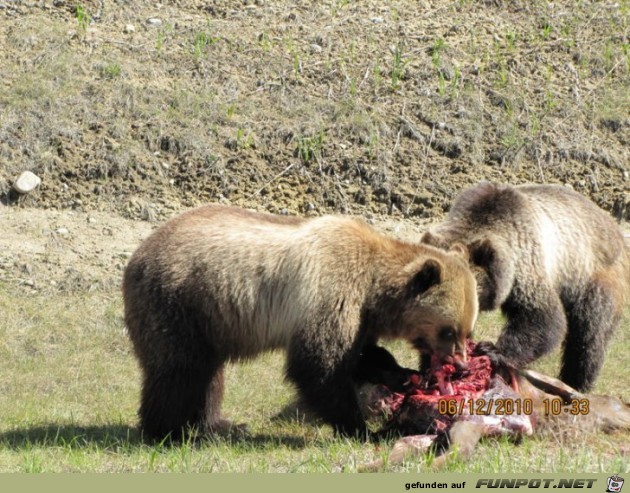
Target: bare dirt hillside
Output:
{"points": [[47, 251], [141, 108]]}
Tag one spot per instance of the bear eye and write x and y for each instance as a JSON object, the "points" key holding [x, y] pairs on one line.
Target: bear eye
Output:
{"points": [[420, 343], [448, 333]]}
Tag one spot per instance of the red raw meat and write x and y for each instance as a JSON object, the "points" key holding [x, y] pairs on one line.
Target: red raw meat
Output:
{"points": [[455, 380]]}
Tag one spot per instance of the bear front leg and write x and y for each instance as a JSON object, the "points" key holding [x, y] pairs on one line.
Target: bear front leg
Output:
{"points": [[323, 370], [536, 325], [378, 366]]}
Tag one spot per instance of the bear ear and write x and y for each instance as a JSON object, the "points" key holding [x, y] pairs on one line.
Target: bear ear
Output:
{"points": [[429, 275], [483, 253], [433, 239], [461, 250]]}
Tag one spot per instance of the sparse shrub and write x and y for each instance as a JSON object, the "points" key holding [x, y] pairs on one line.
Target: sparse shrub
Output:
{"points": [[511, 38], [441, 83], [83, 18], [201, 41], [376, 72], [160, 41], [398, 67], [244, 140], [436, 52], [311, 148], [111, 71], [353, 89], [545, 29], [264, 41]]}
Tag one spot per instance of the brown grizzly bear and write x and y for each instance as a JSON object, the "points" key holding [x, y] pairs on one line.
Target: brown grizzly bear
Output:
{"points": [[217, 284], [553, 261]]}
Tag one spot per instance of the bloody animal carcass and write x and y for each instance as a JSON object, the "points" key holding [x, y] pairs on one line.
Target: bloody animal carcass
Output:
{"points": [[454, 404]]}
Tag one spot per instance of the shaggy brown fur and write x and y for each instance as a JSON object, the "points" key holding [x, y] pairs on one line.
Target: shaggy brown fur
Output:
{"points": [[552, 260], [218, 284]]}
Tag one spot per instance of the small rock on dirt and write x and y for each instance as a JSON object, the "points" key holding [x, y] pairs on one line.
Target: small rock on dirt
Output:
{"points": [[26, 182], [130, 28], [154, 21]]}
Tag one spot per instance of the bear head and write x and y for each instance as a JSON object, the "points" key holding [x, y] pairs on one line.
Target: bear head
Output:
{"points": [[440, 304], [491, 262]]}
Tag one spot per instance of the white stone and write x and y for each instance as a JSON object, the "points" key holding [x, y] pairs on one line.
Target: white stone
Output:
{"points": [[27, 182], [154, 21], [130, 28]]}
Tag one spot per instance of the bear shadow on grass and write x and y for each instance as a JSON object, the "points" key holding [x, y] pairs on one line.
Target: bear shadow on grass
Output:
{"points": [[296, 411], [54, 435]]}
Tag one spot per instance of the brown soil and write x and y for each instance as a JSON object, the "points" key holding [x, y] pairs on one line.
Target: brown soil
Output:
{"points": [[47, 251]]}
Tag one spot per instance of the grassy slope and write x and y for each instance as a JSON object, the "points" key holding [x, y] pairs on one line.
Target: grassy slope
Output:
{"points": [[313, 106], [69, 393]]}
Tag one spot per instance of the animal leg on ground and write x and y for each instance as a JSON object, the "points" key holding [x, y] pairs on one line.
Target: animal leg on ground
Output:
{"points": [[592, 321], [174, 397], [536, 325], [323, 372]]}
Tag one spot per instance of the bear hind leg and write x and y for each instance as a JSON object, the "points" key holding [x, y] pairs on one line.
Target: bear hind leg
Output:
{"points": [[175, 399], [592, 320]]}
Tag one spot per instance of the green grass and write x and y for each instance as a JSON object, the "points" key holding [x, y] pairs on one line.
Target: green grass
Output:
{"points": [[83, 18], [398, 67], [310, 148], [69, 387]]}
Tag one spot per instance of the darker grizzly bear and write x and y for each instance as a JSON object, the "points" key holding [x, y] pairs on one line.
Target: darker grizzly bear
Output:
{"points": [[553, 261], [217, 284]]}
